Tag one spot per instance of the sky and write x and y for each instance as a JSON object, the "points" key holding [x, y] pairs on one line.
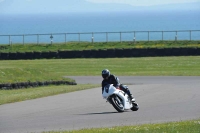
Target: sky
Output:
{"points": [[66, 6], [143, 2]]}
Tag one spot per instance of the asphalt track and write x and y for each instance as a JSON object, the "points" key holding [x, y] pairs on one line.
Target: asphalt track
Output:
{"points": [[161, 99]]}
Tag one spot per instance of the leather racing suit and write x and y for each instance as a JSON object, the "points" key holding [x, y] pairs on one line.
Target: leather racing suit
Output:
{"points": [[112, 79]]}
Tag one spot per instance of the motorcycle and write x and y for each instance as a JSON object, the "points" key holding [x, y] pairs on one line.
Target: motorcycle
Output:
{"points": [[119, 99]]}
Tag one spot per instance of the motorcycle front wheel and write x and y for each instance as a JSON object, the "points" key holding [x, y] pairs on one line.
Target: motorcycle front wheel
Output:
{"points": [[117, 103]]}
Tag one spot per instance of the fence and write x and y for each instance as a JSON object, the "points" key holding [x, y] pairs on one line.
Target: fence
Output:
{"points": [[101, 37]]}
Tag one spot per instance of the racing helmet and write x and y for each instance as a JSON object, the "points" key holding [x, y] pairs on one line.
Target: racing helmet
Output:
{"points": [[105, 73]]}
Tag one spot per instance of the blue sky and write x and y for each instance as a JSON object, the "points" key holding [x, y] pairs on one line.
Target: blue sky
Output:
{"points": [[66, 6], [143, 2]]}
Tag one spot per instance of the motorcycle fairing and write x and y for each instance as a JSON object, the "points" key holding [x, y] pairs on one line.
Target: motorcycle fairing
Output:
{"points": [[111, 90]]}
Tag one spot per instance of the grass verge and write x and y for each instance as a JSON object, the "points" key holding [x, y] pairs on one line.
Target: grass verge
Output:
{"points": [[192, 126], [43, 70], [98, 45], [10, 96]]}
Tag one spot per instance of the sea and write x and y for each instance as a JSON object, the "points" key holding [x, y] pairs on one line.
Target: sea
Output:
{"points": [[100, 27]]}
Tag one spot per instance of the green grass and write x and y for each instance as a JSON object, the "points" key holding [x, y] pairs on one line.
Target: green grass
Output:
{"points": [[42, 70], [192, 126], [10, 96], [22, 71], [97, 45]]}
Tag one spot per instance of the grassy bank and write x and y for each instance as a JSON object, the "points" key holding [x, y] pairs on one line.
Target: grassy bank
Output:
{"points": [[44, 70], [192, 126], [98, 45], [10, 96]]}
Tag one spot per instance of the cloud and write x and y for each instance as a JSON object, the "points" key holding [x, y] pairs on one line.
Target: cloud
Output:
{"points": [[2, 1], [143, 2]]}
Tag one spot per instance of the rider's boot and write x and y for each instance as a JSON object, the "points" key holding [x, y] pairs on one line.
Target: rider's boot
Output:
{"points": [[127, 91]]}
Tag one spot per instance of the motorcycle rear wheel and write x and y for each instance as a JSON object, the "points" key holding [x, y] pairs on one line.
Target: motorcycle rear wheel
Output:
{"points": [[117, 103]]}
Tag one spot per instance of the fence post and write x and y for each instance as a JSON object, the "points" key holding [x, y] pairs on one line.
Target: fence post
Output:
{"points": [[23, 39], [65, 38], [92, 37], [106, 36], [148, 36], [79, 38], [121, 37], [134, 39], [37, 39], [162, 35], [176, 37], [51, 39], [190, 35], [9, 40]]}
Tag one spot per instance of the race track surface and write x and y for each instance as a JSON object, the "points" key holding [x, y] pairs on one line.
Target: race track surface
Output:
{"points": [[161, 99]]}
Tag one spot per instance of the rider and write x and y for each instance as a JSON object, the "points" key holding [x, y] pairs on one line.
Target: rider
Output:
{"points": [[109, 78]]}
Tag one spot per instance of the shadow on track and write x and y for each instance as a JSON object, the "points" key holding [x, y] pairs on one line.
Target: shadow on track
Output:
{"points": [[101, 113], [104, 113]]}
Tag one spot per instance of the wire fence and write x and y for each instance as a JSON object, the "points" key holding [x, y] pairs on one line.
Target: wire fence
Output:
{"points": [[51, 38]]}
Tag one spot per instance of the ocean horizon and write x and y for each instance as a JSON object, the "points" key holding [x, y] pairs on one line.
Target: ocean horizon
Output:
{"points": [[98, 22]]}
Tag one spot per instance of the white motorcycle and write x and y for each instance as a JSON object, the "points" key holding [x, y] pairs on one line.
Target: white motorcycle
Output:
{"points": [[119, 99]]}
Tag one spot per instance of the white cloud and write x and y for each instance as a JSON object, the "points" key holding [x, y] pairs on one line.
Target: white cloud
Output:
{"points": [[143, 2]]}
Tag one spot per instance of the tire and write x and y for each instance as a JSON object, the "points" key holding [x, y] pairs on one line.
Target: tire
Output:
{"points": [[135, 106], [117, 103]]}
